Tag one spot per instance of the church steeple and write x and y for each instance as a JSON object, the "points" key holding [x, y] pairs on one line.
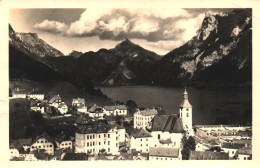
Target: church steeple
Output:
{"points": [[185, 103], [186, 113]]}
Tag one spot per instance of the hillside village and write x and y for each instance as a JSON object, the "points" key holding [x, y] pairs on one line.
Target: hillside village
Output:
{"points": [[114, 133]]}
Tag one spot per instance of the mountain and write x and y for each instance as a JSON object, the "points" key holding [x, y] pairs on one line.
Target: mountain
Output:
{"points": [[220, 54], [135, 66], [75, 54], [30, 43], [127, 63]]}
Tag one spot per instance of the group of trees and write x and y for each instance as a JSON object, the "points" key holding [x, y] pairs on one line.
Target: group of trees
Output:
{"points": [[188, 144]]}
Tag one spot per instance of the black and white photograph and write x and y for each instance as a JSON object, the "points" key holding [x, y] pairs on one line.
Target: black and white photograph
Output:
{"points": [[123, 83]]}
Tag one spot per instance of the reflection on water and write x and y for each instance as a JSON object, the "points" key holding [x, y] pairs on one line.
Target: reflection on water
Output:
{"points": [[232, 104]]}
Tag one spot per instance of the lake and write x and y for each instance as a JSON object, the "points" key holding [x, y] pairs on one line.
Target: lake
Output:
{"points": [[232, 104]]}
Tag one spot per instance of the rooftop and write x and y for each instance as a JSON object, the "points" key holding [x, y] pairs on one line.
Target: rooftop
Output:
{"points": [[231, 145], [113, 108], [79, 100], [75, 156], [141, 133], [208, 155], [245, 151], [148, 112], [56, 97], [167, 123], [164, 152]]}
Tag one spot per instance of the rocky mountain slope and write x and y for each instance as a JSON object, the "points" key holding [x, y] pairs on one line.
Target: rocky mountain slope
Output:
{"points": [[30, 43], [220, 54], [75, 54]]}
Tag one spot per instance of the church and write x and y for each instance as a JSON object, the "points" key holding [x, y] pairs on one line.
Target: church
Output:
{"points": [[168, 130]]}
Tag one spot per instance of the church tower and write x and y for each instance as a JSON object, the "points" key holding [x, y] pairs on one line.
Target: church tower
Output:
{"points": [[185, 113]]}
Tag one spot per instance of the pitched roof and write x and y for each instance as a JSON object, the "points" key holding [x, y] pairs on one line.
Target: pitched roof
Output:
{"points": [[167, 123], [62, 137], [141, 133], [35, 92], [43, 135], [55, 98], [62, 104], [208, 155], [165, 141], [79, 100], [148, 112], [93, 108], [245, 151], [164, 152], [96, 127], [231, 145], [75, 156], [243, 141], [113, 108]]}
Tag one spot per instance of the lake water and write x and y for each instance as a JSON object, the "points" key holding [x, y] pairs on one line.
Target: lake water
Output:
{"points": [[232, 104]]}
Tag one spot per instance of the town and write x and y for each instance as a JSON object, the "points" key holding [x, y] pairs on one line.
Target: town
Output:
{"points": [[123, 132]]}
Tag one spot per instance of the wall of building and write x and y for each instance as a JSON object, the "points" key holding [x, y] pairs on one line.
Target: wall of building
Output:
{"points": [[43, 143]]}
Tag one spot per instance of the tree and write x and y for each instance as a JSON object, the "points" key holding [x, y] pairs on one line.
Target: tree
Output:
{"points": [[188, 144], [131, 106]]}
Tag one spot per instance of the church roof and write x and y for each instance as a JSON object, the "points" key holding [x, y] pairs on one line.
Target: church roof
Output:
{"points": [[141, 133], [167, 123]]}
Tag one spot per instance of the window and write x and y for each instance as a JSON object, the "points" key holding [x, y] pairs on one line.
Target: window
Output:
{"points": [[187, 109], [104, 142], [62, 144], [87, 136], [146, 139], [41, 141], [39, 146], [187, 115], [116, 138], [159, 136], [93, 150], [108, 142], [232, 152], [38, 142], [90, 137], [141, 139], [93, 136], [244, 158], [32, 147], [50, 145], [87, 144], [104, 135], [116, 144], [90, 143], [93, 143], [146, 144], [108, 135], [141, 145], [99, 143], [108, 149]]}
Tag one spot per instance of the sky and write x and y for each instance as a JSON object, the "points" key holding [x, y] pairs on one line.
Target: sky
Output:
{"points": [[157, 29]]}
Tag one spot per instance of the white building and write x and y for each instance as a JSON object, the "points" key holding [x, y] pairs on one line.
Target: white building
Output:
{"points": [[96, 136], [96, 112], [18, 93], [55, 101], [162, 153], [231, 149], [43, 142], [63, 108], [38, 106], [244, 153], [115, 110], [35, 95], [82, 109], [140, 140], [142, 119], [78, 102], [167, 127], [63, 142]]}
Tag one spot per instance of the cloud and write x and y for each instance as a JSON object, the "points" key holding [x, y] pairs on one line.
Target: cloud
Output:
{"points": [[51, 26], [116, 24]]}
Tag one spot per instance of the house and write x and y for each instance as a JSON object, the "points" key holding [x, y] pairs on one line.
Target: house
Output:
{"points": [[143, 118], [115, 110], [30, 157], [55, 101], [231, 149], [166, 127], [162, 153], [82, 109], [95, 136], [63, 108], [140, 140], [74, 156], [78, 102], [244, 153], [43, 142], [63, 141], [37, 106], [18, 93], [35, 94], [207, 155], [96, 112], [19, 147]]}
